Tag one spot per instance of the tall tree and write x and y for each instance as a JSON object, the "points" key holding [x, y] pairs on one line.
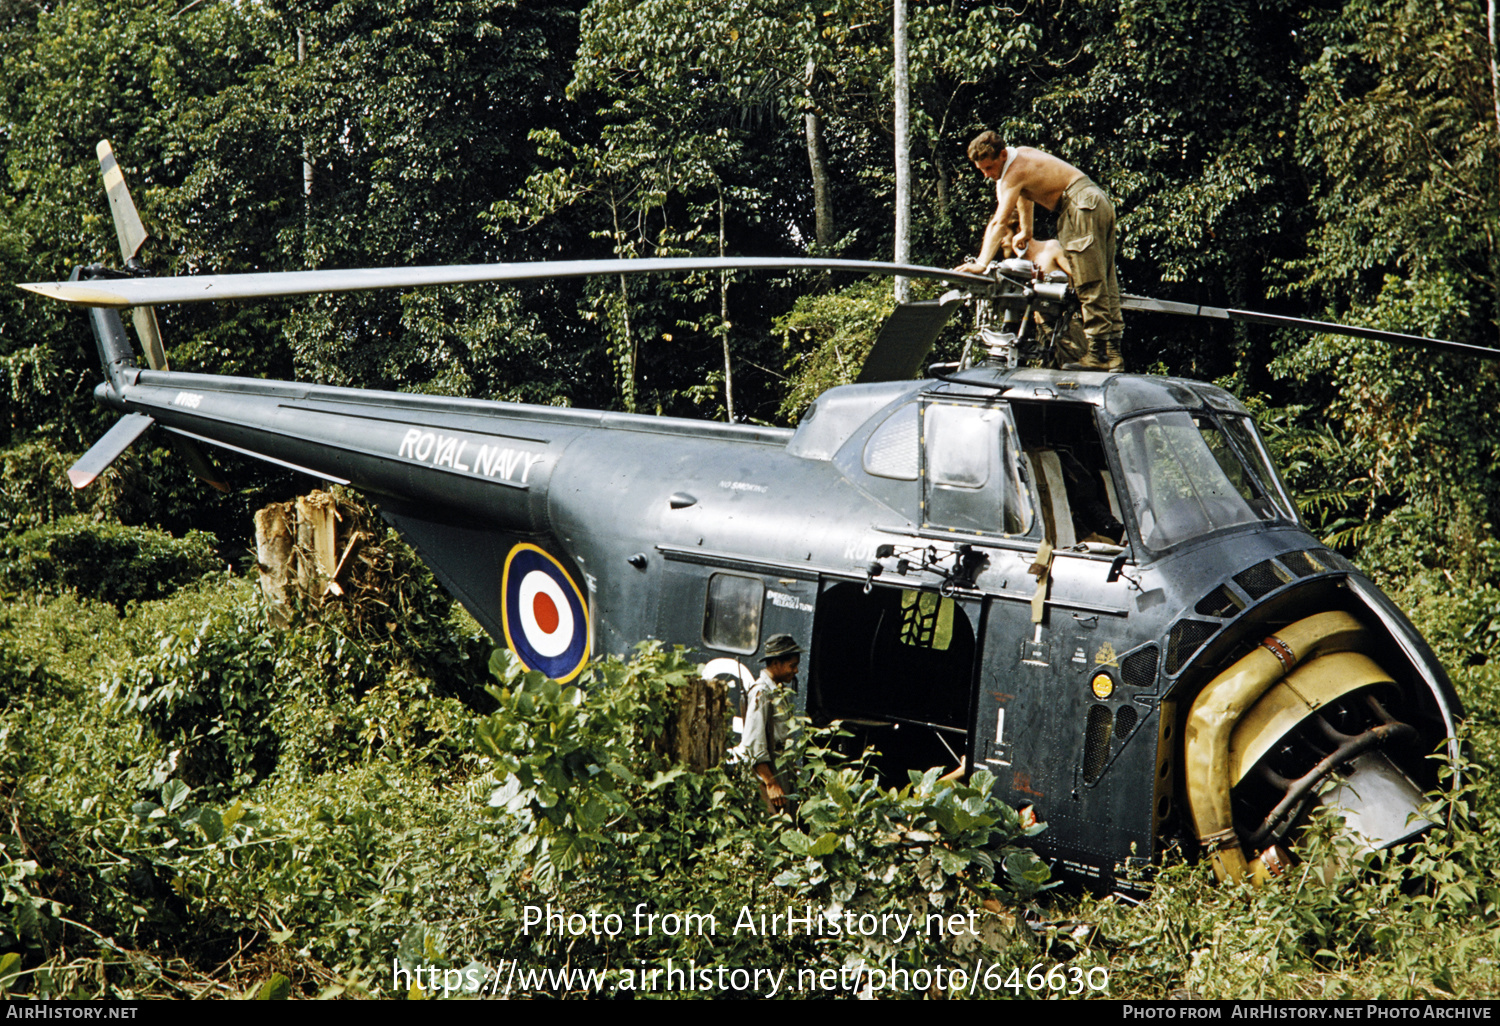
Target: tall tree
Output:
{"points": [[76, 73], [414, 116], [1400, 138], [824, 71]]}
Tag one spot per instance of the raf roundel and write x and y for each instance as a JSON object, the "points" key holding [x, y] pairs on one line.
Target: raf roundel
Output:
{"points": [[546, 620]]}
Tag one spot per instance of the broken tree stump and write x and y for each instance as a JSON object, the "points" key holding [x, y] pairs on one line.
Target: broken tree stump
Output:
{"points": [[694, 738], [297, 553], [317, 530], [274, 545]]}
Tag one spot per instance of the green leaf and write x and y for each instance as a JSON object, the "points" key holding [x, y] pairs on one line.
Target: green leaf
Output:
{"points": [[277, 988], [209, 821], [824, 845], [665, 778], [10, 970], [173, 793], [567, 850], [592, 813], [930, 875]]}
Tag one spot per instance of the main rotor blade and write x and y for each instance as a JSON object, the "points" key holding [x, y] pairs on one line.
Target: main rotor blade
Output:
{"points": [[1129, 302], [906, 338], [128, 227], [125, 292]]}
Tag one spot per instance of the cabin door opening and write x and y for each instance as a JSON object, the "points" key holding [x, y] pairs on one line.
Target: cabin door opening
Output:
{"points": [[896, 666]]}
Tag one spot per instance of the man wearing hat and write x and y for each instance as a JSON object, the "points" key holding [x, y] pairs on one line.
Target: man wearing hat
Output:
{"points": [[768, 717]]}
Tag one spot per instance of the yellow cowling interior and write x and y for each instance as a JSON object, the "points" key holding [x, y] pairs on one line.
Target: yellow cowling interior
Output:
{"points": [[1292, 699], [1297, 670]]}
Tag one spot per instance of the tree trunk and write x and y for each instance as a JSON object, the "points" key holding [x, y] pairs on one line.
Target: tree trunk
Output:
{"points": [[942, 180], [307, 167], [296, 552], [817, 159], [1494, 71], [1495, 95], [273, 561], [694, 738], [627, 350], [903, 153], [317, 515], [626, 354], [724, 319]]}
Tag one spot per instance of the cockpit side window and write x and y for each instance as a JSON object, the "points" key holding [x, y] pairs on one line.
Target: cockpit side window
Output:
{"points": [[1258, 462], [1070, 472], [1187, 476]]}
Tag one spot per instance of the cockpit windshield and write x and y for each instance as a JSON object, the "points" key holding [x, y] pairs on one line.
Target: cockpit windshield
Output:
{"points": [[1189, 475]]}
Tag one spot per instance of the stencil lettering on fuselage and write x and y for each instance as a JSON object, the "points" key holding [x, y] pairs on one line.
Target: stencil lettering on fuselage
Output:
{"points": [[508, 463], [861, 550]]}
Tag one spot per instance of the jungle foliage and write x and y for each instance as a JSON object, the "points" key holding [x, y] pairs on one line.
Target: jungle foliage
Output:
{"points": [[198, 804]]}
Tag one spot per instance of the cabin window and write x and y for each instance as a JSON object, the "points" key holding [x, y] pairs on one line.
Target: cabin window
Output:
{"points": [[731, 616], [892, 449], [959, 440], [973, 479]]}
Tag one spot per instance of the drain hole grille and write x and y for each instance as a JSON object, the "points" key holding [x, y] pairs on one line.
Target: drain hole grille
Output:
{"points": [[1096, 742]]}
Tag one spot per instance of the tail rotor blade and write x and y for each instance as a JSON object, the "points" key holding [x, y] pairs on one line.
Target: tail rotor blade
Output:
{"points": [[108, 448], [132, 236], [128, 227], [144, 318]]}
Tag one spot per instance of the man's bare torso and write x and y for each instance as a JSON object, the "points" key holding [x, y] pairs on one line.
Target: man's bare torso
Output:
{"points": [[1039, 176]]}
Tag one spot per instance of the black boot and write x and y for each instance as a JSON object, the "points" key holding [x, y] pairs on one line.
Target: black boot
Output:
{"points": [[1103, 355]]}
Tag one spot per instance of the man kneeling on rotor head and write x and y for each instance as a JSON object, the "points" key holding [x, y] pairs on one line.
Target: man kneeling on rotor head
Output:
{"points": [[1085, 229]]}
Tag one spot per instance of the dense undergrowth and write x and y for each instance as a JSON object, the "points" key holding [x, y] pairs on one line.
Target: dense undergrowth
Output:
{"points": [[198, 804]]}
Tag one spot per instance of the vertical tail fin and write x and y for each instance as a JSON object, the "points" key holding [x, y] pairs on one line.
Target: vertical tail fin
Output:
{"points": [[115, 351]]}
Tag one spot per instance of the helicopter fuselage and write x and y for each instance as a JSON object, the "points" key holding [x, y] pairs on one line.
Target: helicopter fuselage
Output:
{"points": [[1037, 572]]}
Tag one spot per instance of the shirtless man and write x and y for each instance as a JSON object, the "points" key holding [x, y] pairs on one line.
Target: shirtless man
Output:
{"points": [[1025, 177]]}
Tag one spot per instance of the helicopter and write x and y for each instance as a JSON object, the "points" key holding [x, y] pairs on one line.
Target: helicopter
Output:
{"points": [[1095, 585]]}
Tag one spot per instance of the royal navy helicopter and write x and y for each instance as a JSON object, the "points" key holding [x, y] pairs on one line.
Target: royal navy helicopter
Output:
{"points": [[1096, 585]]}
